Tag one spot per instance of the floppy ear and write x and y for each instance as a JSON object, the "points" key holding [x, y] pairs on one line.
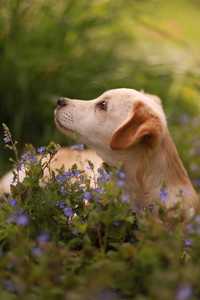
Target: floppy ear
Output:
{"points": [[141, 126]]}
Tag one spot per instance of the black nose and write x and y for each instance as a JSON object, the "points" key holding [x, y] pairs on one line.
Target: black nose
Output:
{"points": [[61, 102]]}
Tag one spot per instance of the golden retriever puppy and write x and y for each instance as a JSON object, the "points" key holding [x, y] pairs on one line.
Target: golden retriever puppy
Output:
{"points": [[129, 128]]}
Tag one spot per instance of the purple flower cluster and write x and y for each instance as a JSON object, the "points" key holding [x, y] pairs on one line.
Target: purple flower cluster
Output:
{"points": [[37, 251], [68, 212], [99, 190], [41, 150], [125, 198], [163, 195], [108, 294], [120, 183], [6, 139], [194, 227], [27, 157], [22, 220], [187, 243], [197, 182], [60, 204], [12, 202], [75, 173], [121, 175], [61, 178], [87, 196], [43, 237], [19, 218], [184, 292], [104, 176], [9, 286]]}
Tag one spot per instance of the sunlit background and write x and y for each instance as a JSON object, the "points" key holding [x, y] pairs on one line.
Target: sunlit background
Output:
{"points": [[81, 48]]}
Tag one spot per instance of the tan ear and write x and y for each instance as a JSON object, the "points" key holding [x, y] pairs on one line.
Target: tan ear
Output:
{"points": [[141, 126]]}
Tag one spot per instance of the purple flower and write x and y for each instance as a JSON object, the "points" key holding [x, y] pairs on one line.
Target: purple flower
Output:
{"points": [[120, 183], [107, 294], [99, 190], [87, 196], [103, 175], [41, 150], [43, 237], [188, 243], [190, 228], [197, 182], [79, 147], [68, 174], [76, 173], [36, 251], [22, 220], [125, 198], [60, 204], [68, 212], [28, 157], [184, 292], [9, 286], [121, 175], [195, 226], [163, 195], [13, 202], [6, 139], [197, 219], [61, 178]]}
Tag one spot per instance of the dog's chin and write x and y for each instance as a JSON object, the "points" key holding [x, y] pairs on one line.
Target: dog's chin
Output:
{"points": [[62, 128]]}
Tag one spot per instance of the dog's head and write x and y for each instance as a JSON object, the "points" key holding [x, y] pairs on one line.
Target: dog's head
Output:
{"points": [[117, 120]]}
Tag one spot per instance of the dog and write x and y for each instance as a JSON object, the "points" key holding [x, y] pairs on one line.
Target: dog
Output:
{"points": [[129, 128]]}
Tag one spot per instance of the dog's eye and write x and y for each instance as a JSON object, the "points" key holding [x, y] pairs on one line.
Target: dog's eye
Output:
{"points": [[102, 105]]}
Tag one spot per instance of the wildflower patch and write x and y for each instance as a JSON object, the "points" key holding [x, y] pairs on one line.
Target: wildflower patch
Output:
{"points": [[72, 240]]}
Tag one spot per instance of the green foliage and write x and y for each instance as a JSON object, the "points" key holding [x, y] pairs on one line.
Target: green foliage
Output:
{"points": [[81, 48], [69, 240], [46, 51]]}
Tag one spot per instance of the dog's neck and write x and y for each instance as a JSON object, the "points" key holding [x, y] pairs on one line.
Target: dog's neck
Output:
{"points": [[159, 174], [152, 172]]}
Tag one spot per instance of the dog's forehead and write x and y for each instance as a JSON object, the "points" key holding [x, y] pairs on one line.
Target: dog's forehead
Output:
{"points": [[120, 93], [130, 96], [126, 98]]}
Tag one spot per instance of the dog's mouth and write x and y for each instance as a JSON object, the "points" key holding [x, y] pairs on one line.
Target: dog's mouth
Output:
{"points": [[59, 125]]}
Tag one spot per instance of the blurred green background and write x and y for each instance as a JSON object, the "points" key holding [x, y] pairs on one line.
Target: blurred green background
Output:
{"points": [[81, 48]]}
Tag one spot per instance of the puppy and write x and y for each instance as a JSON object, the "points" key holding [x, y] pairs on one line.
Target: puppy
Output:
{"points": [[129, 128]]}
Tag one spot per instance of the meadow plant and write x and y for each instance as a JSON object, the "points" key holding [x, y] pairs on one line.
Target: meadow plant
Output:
{"points": [[70, 240]]}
